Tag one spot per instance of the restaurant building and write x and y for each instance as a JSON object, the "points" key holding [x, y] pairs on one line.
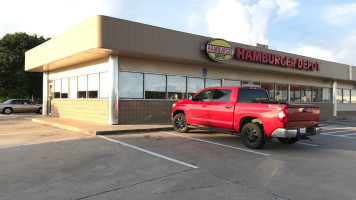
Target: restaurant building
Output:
{"points": [[112, 71]]}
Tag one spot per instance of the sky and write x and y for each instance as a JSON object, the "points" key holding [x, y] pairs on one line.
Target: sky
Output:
{"points": [[323, 29]]}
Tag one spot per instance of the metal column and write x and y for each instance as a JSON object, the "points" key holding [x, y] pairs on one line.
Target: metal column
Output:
{"points": [[113, 89], [335, 98]]}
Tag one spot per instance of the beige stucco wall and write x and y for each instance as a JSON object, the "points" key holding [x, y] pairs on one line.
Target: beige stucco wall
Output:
{"points": [[86, 110]]}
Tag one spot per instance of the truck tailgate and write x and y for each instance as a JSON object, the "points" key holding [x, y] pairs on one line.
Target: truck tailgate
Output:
{"points": [[301, 115]]}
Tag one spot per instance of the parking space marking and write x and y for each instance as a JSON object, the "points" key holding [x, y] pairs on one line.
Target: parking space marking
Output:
{"points": [[223, 145], [47, 130], [34, 143], [313, 145], [343, 136], [338, 131], [149, 152]]}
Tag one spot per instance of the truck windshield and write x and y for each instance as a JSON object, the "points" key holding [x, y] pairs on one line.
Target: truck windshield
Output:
{"points": [[252, 95]]}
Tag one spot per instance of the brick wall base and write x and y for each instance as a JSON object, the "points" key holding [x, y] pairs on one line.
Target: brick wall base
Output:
{"points": [[85, 110], [145, 111]]}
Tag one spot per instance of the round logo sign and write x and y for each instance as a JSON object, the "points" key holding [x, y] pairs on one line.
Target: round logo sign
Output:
{"points": [[219, 50]]}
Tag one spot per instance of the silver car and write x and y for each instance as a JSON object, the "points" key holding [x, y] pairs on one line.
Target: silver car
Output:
{"points": [[19, 105]]}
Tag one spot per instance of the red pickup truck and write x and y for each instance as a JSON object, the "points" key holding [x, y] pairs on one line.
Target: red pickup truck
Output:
{"points": [[248, 111]]}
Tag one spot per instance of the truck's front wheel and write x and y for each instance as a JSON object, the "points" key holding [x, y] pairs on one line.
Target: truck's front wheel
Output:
{"points": [[180, 123], [252, 136]]}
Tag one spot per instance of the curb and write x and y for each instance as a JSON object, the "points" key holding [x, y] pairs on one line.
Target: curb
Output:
{"points": [[93, 132]]}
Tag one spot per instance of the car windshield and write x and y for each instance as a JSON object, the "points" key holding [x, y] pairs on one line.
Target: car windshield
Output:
{"points": [[8, 101]]}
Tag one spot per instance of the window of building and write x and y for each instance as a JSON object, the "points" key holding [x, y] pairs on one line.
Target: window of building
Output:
{"points": [[316, 94], [294, 93], [282, 92], [270, 89], [339, 96], [176, 87], [131, 85], [232, 83], [194, 85], [345, 96], [205, 96], [222, 95], [104, 85], [155, 86], [57, 89], [306, 95], [327, 95], [64, 93], [93, 86], [212, 83], [73, 88], [82, 87], [353, 96]]}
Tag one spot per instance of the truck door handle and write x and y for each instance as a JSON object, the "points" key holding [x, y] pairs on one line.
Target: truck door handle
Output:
{"points": [[228, 106], [204, 105]]}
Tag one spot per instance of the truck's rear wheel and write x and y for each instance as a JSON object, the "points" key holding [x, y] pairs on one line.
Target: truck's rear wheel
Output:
{"points": [[180, 123], [252, 136], [288, 140]]}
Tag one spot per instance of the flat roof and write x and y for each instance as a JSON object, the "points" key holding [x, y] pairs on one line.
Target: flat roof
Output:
{"points": [[101, 36]]}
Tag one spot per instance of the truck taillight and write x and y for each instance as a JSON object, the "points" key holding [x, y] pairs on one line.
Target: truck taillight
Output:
{"points": [[282, 115]]}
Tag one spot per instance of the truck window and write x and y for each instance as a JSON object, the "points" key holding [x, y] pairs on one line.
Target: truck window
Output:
{"points": [[205, 95], [251, 95], [221, 95]]}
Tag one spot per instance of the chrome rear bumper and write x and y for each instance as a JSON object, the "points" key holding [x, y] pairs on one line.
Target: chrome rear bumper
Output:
{"points": [[295, 132]]}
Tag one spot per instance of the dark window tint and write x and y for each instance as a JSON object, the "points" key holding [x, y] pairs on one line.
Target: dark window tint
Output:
{"points": [[252, 95], [222, 95], [205, 95], [93, 94]]}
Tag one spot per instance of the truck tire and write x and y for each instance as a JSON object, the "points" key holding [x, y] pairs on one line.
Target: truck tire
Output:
{"points": [[180, 123], [253, 136], [288, 140]]}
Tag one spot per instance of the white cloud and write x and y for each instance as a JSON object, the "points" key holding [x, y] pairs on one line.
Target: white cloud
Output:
{"points": [[313, 51], [340, 14], [47, 17], [247, 23]]}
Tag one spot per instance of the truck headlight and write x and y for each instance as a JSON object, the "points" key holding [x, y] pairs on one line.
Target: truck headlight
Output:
{"points": [[173, 105]]}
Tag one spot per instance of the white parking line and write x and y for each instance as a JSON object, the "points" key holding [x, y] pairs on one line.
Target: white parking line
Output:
{"points": [[30, 132], [313, 145], [224, 145], [149, 152], [343, 136], [34, 143], [338, 131]]}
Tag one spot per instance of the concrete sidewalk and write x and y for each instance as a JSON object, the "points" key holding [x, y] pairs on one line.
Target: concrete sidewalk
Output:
{"points": [[99, 129]]}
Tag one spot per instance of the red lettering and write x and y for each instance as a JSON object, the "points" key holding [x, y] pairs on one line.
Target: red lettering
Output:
{"points": [[271, 58], [305, 65], [265, 57], [288, 61], [300, 63], [256, 56], [283, 61], [248, 55], [240, 53], [310, 64], [277, 59], [317, 66], [293, 62]]}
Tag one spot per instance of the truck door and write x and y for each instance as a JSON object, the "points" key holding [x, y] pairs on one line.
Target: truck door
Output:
{"points": [[221, 109], [197, 112]]}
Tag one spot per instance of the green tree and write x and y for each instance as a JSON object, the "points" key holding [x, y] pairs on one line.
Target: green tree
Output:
{"points": [[14, 81]]}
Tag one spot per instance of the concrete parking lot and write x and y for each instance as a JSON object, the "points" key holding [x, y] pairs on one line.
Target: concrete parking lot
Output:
{"points": [[43, 162]]}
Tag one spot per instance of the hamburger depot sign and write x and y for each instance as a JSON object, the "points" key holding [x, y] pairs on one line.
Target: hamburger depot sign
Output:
{"points": [[220, 50]]}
